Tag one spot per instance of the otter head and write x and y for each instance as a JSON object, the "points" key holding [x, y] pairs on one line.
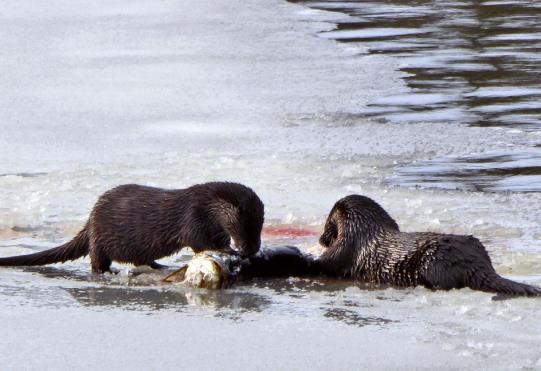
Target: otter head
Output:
{"points": [[241, 215], [330, 231], [246, 234], [353, 225]]}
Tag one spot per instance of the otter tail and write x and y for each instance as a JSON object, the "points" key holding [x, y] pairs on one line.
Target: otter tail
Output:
{"points": [[71, 250], [497, 284]]}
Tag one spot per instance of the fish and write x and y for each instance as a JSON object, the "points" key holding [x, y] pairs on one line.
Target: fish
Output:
{"points": [[209, 269], [213, 269]]}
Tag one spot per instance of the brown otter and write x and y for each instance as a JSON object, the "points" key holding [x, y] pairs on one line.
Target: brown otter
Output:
{"points": [[365, 243], [138, 224]]}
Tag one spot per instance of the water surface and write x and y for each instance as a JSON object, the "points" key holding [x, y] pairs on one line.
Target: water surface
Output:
{"points": [[167, 94], [474, 63]]}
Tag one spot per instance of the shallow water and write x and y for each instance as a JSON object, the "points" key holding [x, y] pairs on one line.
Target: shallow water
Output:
{"points": [[169, 94]]}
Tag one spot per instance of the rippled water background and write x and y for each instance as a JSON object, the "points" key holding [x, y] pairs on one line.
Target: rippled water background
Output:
{"points": [[427, 107], [474, 63]]}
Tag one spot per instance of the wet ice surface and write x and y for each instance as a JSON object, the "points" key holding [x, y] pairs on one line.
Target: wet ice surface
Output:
{"points": [[134, 321], [99, 94], [465, 63]]}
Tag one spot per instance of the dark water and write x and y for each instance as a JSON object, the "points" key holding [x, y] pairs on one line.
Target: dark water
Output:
{"points": [[465, 62], [518, 171]]}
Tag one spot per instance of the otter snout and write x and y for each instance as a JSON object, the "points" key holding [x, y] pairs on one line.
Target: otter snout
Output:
{"points": [[245, 249]]}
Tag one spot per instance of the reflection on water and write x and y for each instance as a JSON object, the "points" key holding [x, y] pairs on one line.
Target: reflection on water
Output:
{"points": [[352, 318], [149, 299], [340, 300], [478, 61], [64, 273], [127, 298], [518, 171], [465, 62], [144, 291]]}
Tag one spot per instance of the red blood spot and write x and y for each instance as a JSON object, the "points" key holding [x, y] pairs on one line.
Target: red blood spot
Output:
{"points": [[286, 231]]}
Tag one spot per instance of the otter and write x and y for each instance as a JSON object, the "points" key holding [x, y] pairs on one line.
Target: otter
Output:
{"points": [[363, 242], [139, 224]]}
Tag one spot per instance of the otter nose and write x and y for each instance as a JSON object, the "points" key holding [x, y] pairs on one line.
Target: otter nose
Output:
{"points": [[245, 244], [246, 249]]}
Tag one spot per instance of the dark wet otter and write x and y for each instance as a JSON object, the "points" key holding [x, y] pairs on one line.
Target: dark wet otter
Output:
{"points": [[138, 224], [364, 242]]}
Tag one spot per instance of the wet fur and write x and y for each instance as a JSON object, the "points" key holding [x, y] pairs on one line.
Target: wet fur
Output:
{"points": [[365, 243], [138, 224]]}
